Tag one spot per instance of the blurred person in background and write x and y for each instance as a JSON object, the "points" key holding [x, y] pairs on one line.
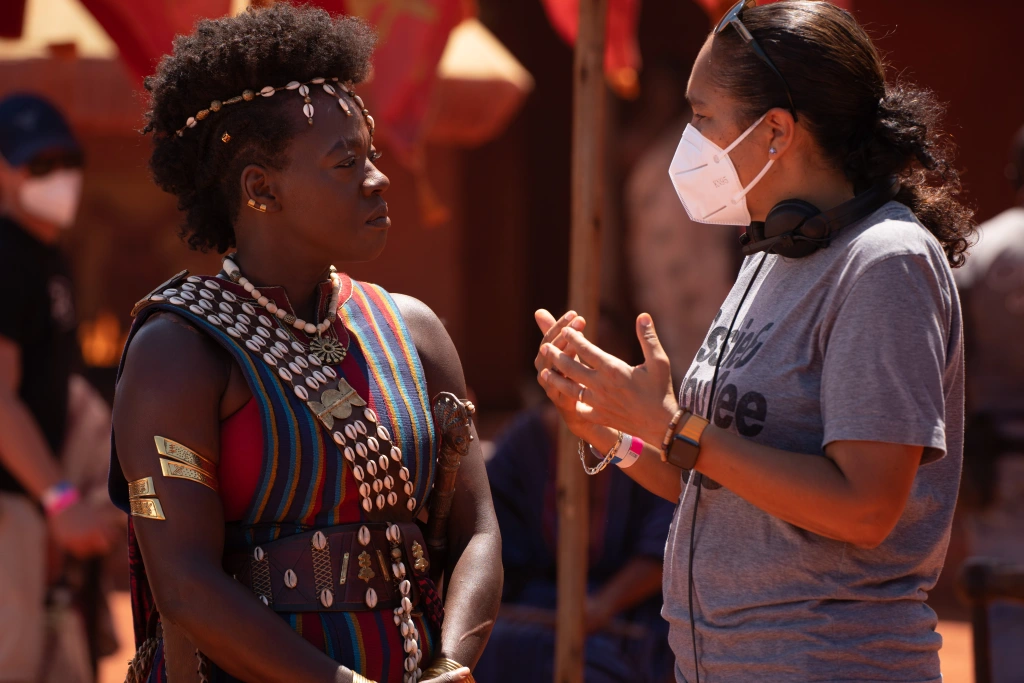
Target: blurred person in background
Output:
{"points": [[992, 291], [627, 638], [40, 186]]}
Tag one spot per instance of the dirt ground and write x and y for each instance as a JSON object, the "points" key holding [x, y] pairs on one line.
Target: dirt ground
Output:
{"points": [[955, 654]]}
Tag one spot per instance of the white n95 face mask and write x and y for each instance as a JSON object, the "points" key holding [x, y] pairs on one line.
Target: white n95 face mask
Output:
{"points": [[706, 180], [53, 197]]}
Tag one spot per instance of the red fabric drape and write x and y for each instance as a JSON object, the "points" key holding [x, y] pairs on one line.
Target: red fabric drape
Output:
{"points": [[621, 53], [412, 36], [143, 30]]}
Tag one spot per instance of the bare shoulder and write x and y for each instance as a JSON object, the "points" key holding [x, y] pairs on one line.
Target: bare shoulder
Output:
{"points": [[436, 350], [171, 385]]}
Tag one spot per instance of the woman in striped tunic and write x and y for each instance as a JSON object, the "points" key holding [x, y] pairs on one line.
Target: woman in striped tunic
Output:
{"points": [[274, 439]]}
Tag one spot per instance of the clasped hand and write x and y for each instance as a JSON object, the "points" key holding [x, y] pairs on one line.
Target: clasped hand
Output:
{"points": [[593, 389]]}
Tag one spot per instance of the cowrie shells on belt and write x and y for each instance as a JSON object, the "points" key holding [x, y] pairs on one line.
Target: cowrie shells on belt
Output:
{"points": [[408, 488], [339, 438], [266, 322], [301, 392], [380, 501], [371, 598], [373, 444], [258, 554], [377, 486], [319, 540], [351, 432], [248, 308], [396, 453], [367, 505], [290, 579], [361, 449], [364, 491], [383, 462], [364, 535], [327, 597], [285, 374], [350, 454], [392, 499], [382, 433], [411, 504], [371, 468], [361, 427], [357, 472], [295, 368]]}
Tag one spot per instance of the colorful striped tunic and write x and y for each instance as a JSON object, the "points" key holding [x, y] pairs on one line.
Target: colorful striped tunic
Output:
{"points": [[303, 481]]}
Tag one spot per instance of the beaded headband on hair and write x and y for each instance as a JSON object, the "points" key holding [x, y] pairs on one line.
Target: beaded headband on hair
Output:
{"points": [[307, 107]]}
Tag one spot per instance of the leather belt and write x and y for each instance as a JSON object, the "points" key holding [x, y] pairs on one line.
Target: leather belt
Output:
{"points": [[346, 568]]}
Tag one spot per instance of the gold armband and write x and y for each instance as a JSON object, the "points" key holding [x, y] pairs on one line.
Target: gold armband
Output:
{"points": [[175, 451], [181, 462], [443, 665], [177, 470], [142, 499]]}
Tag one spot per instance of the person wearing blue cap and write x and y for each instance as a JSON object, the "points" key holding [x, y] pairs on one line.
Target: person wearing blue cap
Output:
{"points": [[40, 186]]}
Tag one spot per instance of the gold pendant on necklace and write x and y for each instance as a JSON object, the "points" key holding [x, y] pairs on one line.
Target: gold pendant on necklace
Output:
{"points": [[327, 350]]}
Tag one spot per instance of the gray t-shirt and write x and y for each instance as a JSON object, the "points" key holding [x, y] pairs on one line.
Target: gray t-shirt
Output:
{"points": [[859, 341]]}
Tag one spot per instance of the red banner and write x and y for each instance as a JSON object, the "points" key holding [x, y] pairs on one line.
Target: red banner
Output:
{"points": [[412, 35], [621, 53], [144, 29]]}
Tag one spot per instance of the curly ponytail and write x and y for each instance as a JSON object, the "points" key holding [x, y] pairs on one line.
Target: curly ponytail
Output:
{"points": [[869, 128]]}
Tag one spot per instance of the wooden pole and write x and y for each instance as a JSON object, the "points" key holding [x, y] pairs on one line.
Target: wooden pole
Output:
{"points": [[584, 290]]}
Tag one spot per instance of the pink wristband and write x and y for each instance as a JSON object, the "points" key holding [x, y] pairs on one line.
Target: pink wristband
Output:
{"points": [[632, 454], [58, 498]]}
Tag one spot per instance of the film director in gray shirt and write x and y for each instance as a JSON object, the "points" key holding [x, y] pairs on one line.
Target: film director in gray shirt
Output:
{"points": [[814, 448]]}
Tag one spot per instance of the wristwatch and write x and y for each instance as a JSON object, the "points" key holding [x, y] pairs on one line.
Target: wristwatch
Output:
{"points": [[684, 447]]}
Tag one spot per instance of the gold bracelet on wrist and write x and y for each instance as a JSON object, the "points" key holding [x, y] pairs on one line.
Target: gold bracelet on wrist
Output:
{"points": [[443, 665]]}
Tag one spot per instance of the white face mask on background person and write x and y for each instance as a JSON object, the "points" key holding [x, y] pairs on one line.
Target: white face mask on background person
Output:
{"points": [[53, 197], [706, 180]]}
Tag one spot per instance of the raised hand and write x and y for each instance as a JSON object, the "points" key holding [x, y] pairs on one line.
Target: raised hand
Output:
{"points": [[604, 390]]}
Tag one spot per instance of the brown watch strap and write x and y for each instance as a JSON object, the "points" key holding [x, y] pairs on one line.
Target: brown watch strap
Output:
{"points": [[686, 442]]}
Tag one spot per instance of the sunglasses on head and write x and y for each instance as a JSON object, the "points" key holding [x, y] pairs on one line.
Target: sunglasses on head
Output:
{"points": [[732, 18]]}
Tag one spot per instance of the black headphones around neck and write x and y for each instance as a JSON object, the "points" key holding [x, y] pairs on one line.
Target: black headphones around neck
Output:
{"points": [[795, 228]]}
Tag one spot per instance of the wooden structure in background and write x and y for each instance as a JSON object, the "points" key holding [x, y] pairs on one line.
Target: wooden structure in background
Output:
{"points": [[588, 142]]}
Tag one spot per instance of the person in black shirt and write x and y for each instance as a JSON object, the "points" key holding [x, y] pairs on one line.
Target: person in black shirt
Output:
{"points": [[40, 184]]}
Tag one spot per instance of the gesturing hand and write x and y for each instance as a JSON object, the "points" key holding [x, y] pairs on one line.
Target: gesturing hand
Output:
{"points": [[554, 334], [607, 391]]}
